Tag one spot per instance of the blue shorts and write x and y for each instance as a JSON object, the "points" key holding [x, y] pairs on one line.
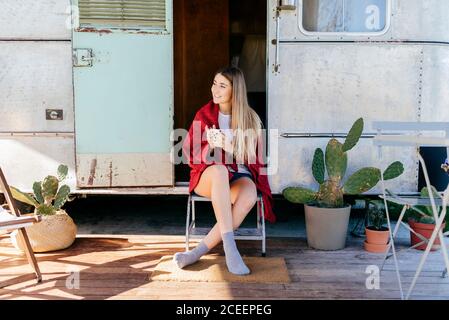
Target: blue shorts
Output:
{"points": [[238, 175]]}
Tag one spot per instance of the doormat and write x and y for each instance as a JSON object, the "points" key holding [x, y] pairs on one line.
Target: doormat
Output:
{"points": [[213, 269]]}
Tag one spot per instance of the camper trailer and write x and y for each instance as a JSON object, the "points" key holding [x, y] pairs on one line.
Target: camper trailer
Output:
{"points": [[100, 85]]}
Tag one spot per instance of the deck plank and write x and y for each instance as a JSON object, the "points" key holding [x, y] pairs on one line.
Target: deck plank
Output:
{"points": [[119, 267]]}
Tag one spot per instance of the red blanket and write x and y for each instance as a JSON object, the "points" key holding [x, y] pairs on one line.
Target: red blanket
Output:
{"points": [[197, 155]]}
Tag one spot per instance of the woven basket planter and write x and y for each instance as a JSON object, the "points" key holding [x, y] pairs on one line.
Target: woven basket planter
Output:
{"points": [[55, 232]]}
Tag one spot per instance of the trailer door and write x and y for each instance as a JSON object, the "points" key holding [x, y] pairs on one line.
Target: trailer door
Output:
{"points": [[123, 89]]}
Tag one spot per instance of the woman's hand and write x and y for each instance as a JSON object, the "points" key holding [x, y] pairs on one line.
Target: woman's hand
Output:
{"points": [[211, 136], [217, 139]]}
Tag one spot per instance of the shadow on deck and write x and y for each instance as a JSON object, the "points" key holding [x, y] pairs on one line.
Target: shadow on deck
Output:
{"points": [[119, 267]]}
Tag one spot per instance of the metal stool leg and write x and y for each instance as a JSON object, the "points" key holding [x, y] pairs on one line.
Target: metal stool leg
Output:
{"points": [[188, 223], [263, 228], [193, 214]]}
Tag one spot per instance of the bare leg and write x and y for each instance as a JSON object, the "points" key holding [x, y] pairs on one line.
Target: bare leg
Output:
{"points": [[214, 184], [243, 197]]}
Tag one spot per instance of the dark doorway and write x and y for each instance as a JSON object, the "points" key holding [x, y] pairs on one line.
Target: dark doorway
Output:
{"points": [[208, 35]]}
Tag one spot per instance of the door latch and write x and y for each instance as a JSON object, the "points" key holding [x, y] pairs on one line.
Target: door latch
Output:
{"points": [[82, 57]]}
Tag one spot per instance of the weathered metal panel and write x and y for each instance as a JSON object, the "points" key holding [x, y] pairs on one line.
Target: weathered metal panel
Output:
{"points": [[324, 88], [28, 159], [35, 76], [124, 105], [420, 20], [413, 20], [295, 170], [31, 19], [435, 79], [122, 170]]}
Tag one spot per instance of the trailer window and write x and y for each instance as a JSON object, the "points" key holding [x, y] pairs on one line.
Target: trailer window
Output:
{"points": [[362, 16], [123, 13]]}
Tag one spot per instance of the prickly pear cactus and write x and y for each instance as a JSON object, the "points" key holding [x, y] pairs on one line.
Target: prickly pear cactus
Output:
{"points": [[330, 195], [62, 172], [362, 181], [61, 196], [45, 210], [47, 197], [393, 171], [318, 168], [299, 195], [335, 161], [49, 188], [37, 189], [354, 135]]}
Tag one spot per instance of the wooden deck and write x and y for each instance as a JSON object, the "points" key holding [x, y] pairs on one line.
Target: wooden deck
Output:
{"points": [[118, 267]]}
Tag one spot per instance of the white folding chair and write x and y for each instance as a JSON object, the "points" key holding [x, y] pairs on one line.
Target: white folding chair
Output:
{"points": [[398, 134], [257, 233], [18, 222]]}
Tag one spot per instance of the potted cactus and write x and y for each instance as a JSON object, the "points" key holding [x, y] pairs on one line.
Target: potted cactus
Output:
{"points": [[327, 214], [377, 234], [57, 230], [422, 221]]}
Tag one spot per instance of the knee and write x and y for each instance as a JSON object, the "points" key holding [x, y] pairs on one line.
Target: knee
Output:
{"points": [[219, 171], [248, 200]]}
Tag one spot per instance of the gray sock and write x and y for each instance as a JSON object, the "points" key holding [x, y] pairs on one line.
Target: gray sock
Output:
{"points": [[184, 259], [234, 260]]}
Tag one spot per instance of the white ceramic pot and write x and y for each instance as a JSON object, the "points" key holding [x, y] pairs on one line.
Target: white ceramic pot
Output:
{"points": [[327, 227]]}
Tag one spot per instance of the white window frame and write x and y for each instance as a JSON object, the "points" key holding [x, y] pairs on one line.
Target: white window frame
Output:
{"points": [[342, 34]]}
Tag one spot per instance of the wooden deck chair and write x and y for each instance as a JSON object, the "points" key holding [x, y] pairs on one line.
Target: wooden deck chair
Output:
{"points": [[18, 222]]}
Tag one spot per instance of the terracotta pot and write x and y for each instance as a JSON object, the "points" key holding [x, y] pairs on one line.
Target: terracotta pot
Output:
{"points": [[55, 232], [425, 230], [327, 227], [376, 240]]}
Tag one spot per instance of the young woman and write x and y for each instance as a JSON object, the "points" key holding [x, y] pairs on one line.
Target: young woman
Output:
{"points": [[232, 185]]}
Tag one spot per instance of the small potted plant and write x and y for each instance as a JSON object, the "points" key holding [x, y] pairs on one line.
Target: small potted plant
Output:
{"points": [[377, 234], [327, 213], [422, 221], [57, 230]]}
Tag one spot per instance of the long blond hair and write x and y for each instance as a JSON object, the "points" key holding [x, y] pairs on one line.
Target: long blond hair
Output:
{"points": [[245, 122]]}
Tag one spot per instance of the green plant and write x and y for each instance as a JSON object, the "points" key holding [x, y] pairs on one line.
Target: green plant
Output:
{"points": [[47, 197], [376, 216], [424, 214], [334, 161]]}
